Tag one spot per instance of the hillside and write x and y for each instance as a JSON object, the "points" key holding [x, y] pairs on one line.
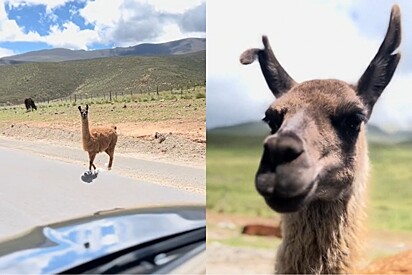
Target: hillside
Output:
{"points": [[258, 130], [182, 46], [96, 77]]}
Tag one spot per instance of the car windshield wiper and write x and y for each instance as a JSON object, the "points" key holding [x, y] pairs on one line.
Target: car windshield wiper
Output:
{"points": [[157, 256]]}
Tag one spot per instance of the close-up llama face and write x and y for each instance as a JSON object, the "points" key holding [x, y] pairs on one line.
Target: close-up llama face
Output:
{"points": [[317, 147]]}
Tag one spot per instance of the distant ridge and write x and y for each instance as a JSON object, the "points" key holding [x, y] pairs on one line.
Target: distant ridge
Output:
{"points": [[259, 129], [182, 46]]}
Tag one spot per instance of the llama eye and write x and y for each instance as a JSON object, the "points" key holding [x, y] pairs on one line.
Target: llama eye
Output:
{"points": [[348, 125], [353, 122], [274, 120]]}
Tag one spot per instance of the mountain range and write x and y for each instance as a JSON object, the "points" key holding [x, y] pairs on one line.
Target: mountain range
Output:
{"points": [[178, 47], [374, 133]]}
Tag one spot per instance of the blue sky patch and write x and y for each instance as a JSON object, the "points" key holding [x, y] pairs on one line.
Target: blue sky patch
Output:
{"points": [[22, 47]]}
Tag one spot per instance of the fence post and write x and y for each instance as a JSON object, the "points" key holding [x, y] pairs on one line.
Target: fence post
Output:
{"points": [[110, 94], [157, 90]]}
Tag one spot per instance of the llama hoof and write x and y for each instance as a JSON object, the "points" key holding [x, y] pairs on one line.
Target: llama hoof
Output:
{"points": [[93, 172]]}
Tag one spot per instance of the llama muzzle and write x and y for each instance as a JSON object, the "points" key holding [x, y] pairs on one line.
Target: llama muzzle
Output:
{"points": [[285, 175]]}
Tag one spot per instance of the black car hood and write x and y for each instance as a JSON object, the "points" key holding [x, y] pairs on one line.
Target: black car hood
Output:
{"points": [[57, 247]]}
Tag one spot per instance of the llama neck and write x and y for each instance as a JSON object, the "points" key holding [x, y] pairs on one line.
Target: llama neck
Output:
{"points": [[85, 130], [323, 237]]}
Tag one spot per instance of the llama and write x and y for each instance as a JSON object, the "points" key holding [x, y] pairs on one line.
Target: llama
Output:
{"points": [[314, 167], [29, 103], [96, 140]]}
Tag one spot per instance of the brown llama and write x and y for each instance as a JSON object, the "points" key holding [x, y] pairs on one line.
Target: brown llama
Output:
{"points": [[98, 139], [314, 167]]}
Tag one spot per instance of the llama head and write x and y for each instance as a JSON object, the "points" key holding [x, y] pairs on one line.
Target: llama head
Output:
{"points": [[84, 112], [313, 147]]}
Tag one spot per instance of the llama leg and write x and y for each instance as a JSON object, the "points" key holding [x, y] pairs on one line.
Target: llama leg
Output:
{"points": [[92, 155], [110, 162], [111, 154]]}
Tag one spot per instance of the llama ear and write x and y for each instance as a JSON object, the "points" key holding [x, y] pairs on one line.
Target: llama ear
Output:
{"points": [[382, 67], [277, 78], [87, 107], [80, 108]]}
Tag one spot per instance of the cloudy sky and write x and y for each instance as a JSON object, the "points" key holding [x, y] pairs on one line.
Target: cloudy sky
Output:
{"points": [[311, 39], [27, 25]]}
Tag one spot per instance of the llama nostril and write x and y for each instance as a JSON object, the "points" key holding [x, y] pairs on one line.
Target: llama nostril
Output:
{"points": [[284, 149]]}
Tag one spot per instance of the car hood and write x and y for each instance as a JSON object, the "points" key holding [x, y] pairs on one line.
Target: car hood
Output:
{"points": [[57, 247]]}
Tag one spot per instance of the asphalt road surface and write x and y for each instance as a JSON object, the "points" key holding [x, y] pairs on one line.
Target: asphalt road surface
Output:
{"points": [[36, 189]]}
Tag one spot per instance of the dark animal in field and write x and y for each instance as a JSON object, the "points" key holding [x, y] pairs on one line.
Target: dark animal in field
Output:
{"points": [[30, 104]]}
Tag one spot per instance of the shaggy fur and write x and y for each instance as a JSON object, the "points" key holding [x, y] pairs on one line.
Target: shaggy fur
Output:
{"points": [[314, 167], [29, 103], [326, 237], [96, 140]]}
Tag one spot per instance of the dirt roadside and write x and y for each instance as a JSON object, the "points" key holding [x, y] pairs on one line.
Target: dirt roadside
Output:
{"points": [[177, 144], [230, 252], [185, 141]]}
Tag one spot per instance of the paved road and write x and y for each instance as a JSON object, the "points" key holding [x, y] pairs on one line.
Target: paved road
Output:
{"points": [[140, 167], [36, 190]]}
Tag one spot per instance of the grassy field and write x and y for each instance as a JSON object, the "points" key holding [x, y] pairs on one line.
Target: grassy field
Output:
{"points": [[168, 105], [96, 77], [391, 187], [232, 162]]}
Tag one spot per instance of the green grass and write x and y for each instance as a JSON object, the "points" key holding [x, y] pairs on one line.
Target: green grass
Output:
{"points": [[96, 77], [390, 187], [234, 237], [232, 162], [139, 108]]}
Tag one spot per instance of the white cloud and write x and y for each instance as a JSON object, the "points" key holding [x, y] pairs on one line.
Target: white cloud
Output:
{"points": [[175, 6], [128, 22], [102, 13], [10, 31], [6, 52], [317, 40], [370, 24], [393, 109], [70, 36], [173, 32], [3, 13]]}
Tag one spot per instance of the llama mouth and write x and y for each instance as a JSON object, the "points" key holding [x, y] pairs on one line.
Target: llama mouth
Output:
{"points": [[283, 204]]}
